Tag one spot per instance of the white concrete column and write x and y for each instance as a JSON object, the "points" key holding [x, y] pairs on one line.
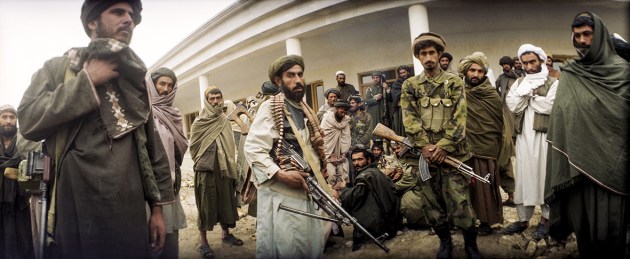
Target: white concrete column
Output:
{"points": [[203, 84], [418, 23], [293, 47]]}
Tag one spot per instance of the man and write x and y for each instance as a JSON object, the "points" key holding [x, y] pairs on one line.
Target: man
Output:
{"points": [[336, 126], [162, 86], [371, 199], [332, 95], [212, 148], [377, 152], [92, 108], [508, 77], [552, 71], [360, 124], [434, 112], [445, 62], [484, 133], [407, 183], [345, 90], [15, 218], [518, 67], [279, 233], [531, 100], [404, 72], [586, 184], [377, 97]]}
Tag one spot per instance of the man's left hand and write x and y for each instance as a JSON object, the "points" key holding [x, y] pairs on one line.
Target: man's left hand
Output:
{"points": [[438, 155], [157, 230]]}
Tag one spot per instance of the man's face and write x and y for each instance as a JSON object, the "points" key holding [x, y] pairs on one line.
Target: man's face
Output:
{"points": [[115, 23], [531, 63], [397, 149], [8, 123], [354, 106], [359, 161], [292, 83], [583, 36], [429, 58], [403, 73], [518, 64], [506, 68], [215, 99], [164, 85], [549, 62], [376, 80], [444, 62], [377, 151], [331, 99], [340, 112], [475, 74], [341, 79]]}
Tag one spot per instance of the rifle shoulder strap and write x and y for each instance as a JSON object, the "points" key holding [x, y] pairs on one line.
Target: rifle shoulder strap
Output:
{"points": [[307, 153]]}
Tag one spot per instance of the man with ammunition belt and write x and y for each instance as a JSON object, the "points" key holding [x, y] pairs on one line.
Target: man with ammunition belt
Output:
{"points": [[279, 233], [434, 114]]}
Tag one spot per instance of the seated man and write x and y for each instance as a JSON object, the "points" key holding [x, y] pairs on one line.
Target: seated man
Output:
{"points": [[371, 200], [408, 188]]}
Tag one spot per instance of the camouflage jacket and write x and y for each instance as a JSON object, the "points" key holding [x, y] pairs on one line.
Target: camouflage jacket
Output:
{"points": [[434, 112], [360, 128]]}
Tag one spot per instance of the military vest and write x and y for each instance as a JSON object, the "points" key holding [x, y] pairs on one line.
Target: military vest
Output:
{"points": [[541, 121]]}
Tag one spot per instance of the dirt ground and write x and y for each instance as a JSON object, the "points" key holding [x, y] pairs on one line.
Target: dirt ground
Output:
{"points": [[407, 244]]}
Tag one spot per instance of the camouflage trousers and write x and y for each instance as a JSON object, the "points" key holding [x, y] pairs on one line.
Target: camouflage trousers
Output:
{"points": [[446, 199]]}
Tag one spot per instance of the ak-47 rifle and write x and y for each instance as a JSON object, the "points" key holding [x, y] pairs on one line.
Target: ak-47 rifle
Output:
{"points": [[326, 202], [386, 133]]}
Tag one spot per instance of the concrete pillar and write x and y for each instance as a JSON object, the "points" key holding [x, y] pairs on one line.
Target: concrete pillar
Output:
{"points": [[203, 84], [418, 23], [293, 47]]}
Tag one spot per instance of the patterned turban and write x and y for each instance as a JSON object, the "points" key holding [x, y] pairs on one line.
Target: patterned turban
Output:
{"points": [[477, 58], [8, 108], [284, 63], [529, 47], [160, 72], [92, 9], [430, 36]]}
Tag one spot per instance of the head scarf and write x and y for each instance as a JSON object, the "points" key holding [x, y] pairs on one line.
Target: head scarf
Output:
{"points": [[8, 108], [477, 58], [277, 65], [166, 114], [430, 36], [212, 125], [529, 47], [92, 9], [160, 72]]}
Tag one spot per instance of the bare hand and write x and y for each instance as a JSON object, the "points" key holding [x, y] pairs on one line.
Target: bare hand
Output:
{"points": [[397, 174], [293, 179], [439, 154], [385, 86], [157, 230], [378, 97], [101, 70], [427, 152]]}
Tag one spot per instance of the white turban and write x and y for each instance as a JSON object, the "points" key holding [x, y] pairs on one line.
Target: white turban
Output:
{"points": [[529, 47], [340, 73]]}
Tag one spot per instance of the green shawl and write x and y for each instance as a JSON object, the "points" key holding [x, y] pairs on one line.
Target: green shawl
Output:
{"points": [[209, 126], [484, 124], [588, 131]]}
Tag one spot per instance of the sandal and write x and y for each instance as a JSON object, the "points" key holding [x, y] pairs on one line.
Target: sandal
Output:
{"points": [[514, 228], [232, 240], [205, 251]]}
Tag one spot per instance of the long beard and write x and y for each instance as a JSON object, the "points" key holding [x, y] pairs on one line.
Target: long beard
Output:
{"points": [[473, 84], [296, 97], [8, 131]]}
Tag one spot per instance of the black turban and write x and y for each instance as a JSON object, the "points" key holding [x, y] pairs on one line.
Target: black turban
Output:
{"points": [[342, 104], [506, 60], [160, 72], [447, 55], [92, 9], [269, 88]]}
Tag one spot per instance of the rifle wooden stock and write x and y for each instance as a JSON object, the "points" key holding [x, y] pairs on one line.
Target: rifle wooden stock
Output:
{"points": [[235, 116]]}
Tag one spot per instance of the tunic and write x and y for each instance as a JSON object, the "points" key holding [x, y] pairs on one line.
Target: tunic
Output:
{"points": [[531, 146], [346, 91], [103, 182], [484, 128], [15, 217], [280, 234], [337, 143], [376, 108]]}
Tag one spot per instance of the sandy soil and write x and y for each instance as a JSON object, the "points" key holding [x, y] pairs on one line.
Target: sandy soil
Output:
{"points": [[408, 244]]}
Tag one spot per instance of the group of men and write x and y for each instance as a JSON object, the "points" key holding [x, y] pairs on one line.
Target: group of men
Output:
{"points": [[116, 143]]}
